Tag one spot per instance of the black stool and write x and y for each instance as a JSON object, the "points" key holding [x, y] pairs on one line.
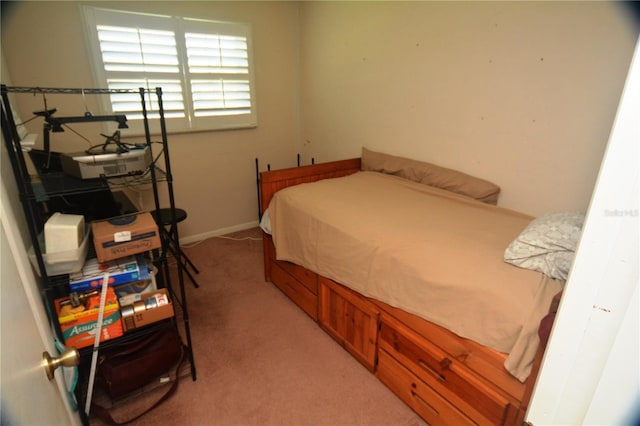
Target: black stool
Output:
{"points": [[163, 219]]}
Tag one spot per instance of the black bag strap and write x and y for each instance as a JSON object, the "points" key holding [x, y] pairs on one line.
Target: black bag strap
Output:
{"points": [[104, 414]]}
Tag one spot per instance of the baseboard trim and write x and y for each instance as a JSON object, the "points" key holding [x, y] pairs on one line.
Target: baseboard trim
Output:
{"points": [[218, 232]]}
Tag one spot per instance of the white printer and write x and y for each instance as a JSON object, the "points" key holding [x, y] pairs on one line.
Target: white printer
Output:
{"points": [[91, 166]]}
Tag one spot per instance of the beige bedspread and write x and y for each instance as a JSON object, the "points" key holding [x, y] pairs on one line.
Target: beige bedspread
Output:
{"points": [[430, 252]]}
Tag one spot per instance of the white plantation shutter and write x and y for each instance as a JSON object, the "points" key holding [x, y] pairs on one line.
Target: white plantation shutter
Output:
{"points": [[138, 49], [218, 74], [209, 53], [129, 103], [203, 67], [220, 97]]}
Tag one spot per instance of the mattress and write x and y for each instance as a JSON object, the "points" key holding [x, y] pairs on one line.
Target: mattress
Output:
{"points": [[430, 252]]}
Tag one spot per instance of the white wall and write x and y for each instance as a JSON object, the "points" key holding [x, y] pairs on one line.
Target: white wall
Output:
{"points": [[520, 93], [590, 372]]}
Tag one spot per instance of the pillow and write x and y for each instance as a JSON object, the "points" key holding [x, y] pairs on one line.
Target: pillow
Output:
{"points": [[547, 244], [430, 174]]}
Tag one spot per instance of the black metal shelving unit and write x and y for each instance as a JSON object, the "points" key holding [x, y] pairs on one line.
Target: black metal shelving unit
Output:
{"points": [[37, 190]]}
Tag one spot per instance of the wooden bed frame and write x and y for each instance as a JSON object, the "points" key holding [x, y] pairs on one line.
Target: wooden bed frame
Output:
{"points": [[444, 378]]}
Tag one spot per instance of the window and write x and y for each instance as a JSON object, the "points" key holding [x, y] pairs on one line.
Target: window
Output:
{"points": [[203, 67]]}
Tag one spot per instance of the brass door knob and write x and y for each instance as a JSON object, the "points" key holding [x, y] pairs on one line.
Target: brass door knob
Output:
{"points": [[69, 358]]}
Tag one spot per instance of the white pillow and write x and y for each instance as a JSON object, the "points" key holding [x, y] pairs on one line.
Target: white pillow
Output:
{"points": [[547, 244]]}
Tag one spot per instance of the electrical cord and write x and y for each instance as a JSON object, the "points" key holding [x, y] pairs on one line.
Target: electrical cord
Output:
{"points": [[222, 237]]}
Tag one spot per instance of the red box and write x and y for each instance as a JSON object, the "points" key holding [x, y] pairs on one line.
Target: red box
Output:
{"points": [[78, 327]]}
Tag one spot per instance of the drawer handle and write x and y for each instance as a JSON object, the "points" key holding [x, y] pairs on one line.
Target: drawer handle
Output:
{"points": [[422, 401], [431, 371], [445, 363]]}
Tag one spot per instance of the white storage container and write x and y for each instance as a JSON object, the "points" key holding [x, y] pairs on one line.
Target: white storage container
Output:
{"points": [[64, 262], [63, 233]]}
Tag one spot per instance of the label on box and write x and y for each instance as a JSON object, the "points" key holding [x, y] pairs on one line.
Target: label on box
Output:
{"points": [[81, 334], [121, 237]]}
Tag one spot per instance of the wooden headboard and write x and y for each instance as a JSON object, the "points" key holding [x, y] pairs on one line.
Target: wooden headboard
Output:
{"points": [[273, 181]]}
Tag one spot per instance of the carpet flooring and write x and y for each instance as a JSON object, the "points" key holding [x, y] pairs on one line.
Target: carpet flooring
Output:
{"points": [[260, 359]]}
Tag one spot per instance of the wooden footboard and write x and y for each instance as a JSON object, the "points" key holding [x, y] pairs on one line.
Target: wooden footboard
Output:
{"points": [[442, 377], [273, 181]]}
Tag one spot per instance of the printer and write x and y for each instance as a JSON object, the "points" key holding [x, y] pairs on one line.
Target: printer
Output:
{"points": [[108, 164]]}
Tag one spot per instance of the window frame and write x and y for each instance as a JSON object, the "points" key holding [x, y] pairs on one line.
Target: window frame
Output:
{"points": [[94, 16]]}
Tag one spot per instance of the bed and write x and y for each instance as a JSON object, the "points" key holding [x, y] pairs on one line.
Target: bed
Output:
{"points": [[403, 263]]}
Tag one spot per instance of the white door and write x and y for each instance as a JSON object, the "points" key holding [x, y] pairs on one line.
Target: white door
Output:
{"points": [[590, 371], [28, 397]]}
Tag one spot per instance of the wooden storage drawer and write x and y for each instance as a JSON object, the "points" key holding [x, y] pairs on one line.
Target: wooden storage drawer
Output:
{"points": [[350, 319], [297, 291], [476, 397], [304, 276], [480, 359], [421, 397]]}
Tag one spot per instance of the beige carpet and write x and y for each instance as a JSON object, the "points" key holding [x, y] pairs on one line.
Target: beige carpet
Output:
{"points": [[262, 361]]}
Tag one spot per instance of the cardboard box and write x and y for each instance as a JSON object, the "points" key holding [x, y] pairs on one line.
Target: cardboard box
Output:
{"points": [[124, 235], [153, 307], [78, 328], [121, 271]]}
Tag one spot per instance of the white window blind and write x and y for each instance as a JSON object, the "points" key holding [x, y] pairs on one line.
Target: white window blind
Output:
{"points": [[227, 58], [203, 67]]}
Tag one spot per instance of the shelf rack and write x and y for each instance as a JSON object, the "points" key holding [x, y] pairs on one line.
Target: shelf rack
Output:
{"points": [[34, 190]]}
